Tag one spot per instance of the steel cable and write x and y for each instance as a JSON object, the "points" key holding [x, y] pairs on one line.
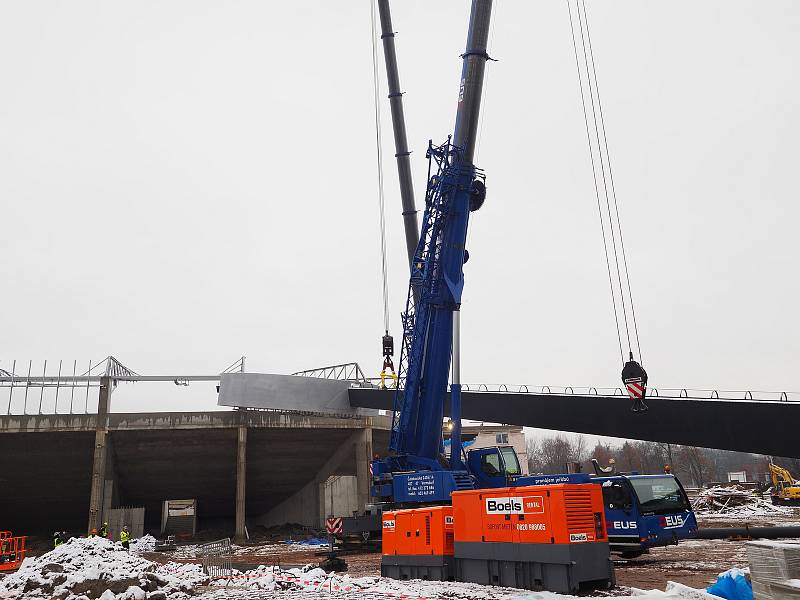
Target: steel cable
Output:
{"points": [[596, 187], [605, 183], [613, 189], [379, 151]]}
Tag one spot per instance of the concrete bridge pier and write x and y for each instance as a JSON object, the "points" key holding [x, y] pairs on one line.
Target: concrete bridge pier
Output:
{"points": [[363, 449], [241, 483], [100, 463]]}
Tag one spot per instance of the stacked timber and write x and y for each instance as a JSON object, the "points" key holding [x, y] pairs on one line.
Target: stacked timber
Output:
{"points": [[774, 570]]}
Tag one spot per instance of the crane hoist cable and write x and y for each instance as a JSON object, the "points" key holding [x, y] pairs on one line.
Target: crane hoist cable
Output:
{"points": [[634, 376], [387, 342]]}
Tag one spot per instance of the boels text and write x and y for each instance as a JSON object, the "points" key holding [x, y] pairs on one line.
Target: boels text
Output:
{"points": [[515, 506]]}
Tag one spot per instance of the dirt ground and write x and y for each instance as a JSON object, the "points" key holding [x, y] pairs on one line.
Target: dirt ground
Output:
{"points": [[695, 563]]}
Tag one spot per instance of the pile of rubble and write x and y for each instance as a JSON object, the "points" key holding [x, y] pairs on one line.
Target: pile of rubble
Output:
{"points": [[96, 568], [734, 501]]}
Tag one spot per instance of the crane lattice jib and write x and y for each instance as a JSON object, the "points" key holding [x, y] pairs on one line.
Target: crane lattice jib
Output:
{"points": [[437, 279]]}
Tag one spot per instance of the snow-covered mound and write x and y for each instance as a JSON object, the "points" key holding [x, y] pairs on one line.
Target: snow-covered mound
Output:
{"points": [[86, 568], [145, 543]]}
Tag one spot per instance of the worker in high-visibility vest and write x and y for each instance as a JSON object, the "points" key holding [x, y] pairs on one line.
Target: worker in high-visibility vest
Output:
{"points": [[104, 531], [125, 538], [57, 539]]}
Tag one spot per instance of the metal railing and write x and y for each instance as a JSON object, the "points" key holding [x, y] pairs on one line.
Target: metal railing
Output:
{"points": [[65, 390], [343, 372], [652, 392], [352, 372], [217, 558]]}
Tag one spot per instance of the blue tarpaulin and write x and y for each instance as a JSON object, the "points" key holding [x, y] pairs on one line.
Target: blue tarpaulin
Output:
{"points": [[732, 585]]}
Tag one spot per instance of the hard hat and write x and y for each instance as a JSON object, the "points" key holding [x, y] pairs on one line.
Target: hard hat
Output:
{"points": [[125, 527]]}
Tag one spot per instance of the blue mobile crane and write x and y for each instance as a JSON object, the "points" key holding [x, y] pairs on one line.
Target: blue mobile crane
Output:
{"points": [[417, 471]]}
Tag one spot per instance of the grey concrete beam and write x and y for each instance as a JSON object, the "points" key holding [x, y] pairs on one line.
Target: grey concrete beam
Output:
{"points": [[186, 420]]}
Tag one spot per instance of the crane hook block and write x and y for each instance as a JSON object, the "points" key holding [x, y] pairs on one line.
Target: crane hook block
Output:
{"points": [[388, 345], [477, 195], [635, 379]]}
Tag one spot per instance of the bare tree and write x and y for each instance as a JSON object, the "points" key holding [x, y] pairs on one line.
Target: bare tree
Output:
{"points": [[534, 449], [579, 448], [556, 451], [604, 454], [696, 462]]}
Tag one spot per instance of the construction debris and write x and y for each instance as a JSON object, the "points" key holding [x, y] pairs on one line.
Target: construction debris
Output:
{"points": [[734, 501]]}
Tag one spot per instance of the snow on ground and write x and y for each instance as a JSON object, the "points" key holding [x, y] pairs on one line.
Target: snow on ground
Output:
{"points": [[98, 568], [763, 511], [278, 548], [377, 588], [735, 502], [146, 543], [189, 551], [311, 583]]}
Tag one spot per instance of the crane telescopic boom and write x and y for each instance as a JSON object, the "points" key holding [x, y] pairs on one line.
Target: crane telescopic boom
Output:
{"points": [[430, 322], [402, 153]]}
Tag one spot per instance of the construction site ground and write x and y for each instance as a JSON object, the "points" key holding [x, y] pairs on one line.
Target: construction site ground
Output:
{"points": [[695, 563]]}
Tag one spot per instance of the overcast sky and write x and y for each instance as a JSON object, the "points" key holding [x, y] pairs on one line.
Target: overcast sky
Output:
{"points": [[186, 182]]}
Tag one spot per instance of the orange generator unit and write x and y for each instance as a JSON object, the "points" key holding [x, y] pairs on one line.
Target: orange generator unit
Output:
{"points": [[418, 544], [544, 537], [548, 537], [12, 551]]}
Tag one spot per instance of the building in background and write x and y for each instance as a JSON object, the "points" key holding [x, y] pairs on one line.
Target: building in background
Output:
{"points": [[487, 436]]}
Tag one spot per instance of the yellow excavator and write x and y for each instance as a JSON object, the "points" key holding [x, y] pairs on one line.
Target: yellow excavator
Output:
{"points": [[785, 490]]}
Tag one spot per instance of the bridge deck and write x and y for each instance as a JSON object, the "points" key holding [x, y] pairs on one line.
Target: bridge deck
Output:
{"points": [[760, 427]]}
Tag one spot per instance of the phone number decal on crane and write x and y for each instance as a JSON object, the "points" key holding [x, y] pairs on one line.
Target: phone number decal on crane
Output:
{"points": [[421, 485]]}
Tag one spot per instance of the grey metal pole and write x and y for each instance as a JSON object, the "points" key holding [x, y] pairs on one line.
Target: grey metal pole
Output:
{"points": [[472, 72], [11, 388], [469, 105], [399, 126]]}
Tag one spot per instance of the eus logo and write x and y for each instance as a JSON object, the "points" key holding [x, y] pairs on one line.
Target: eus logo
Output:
{"points": [[529, 505], [388, 524], [624, 525], [671, 521]]}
